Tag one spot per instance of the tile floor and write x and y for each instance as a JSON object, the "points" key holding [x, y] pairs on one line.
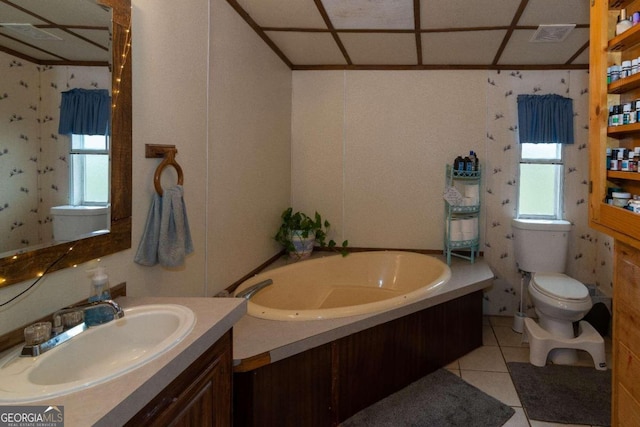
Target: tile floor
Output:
{"points": [[486, 369]]}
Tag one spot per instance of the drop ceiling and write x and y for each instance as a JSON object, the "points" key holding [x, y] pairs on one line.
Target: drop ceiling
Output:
{"points": [[340, 34], [421, 34], [61, 32]]}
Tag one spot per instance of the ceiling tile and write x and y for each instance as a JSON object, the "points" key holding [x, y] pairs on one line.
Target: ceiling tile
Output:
{"points": [[461, 47], [583, 58], [308, 48], [520, 50], [370, 14], [26, 50], [564, 12], [75, 49], [284, 13], [82, 12], [466, 14], [380, 48], [11, 14]]}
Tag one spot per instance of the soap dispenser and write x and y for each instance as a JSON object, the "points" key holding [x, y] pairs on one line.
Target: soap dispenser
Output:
{"points": [[99, 285], [99, 292]]}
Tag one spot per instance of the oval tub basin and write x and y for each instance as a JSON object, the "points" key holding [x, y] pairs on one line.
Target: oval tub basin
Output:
{"points": [[337, 286]]}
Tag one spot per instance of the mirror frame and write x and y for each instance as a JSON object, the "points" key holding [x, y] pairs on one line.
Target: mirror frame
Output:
{"points": [[28, 265]]}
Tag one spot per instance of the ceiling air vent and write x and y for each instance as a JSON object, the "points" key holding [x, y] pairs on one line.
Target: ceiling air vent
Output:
{"points": [[551, 33], [30, 31]]}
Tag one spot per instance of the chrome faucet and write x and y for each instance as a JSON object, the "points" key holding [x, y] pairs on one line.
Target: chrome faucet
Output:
{"points": [[117, 310], [251, 290], [60, 334]]}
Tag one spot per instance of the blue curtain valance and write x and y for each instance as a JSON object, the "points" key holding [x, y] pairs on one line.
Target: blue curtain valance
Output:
{"points": [[85, 112], [545, 119]]}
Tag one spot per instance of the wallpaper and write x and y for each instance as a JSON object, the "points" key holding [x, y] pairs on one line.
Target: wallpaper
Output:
{"points": [[590, 253], [34, 169]]}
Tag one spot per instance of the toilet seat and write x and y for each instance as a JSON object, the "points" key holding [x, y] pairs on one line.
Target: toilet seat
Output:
{"points": [[560, 286]]}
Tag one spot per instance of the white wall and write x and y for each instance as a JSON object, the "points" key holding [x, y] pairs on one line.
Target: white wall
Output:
{"points": [[369, 149], [170, 65], [173, 97], [249, 144]]}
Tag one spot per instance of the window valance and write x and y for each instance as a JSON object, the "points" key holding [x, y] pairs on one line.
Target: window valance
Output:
{"points": [[545, 119], [85, 112]]}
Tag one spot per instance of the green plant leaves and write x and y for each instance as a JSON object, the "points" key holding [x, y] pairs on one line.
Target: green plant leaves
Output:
{"points": [[305, 225]]}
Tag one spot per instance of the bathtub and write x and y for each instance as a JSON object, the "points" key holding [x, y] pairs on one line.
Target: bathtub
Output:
{"points": [[337, 286]]}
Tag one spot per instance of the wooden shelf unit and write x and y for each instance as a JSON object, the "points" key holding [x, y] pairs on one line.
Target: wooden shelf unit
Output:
{"points": [[624, 226], [607, 49], [632, 176]]}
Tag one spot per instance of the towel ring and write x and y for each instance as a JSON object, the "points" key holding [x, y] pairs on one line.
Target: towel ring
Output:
{"points": [[169, 160]]}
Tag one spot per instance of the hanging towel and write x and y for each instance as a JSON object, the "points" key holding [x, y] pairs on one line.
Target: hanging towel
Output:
{"points": [[166, 238]]}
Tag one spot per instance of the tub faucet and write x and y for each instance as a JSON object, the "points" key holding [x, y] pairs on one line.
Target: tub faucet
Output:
{"points": [[60, 335], [251, 290]]}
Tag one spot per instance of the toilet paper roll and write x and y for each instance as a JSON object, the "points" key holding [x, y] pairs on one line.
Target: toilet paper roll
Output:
{"points": [[456, 236], [456, 226], [468, 235], [469, 201], [469, 225], [472, 190], [469, 228]]}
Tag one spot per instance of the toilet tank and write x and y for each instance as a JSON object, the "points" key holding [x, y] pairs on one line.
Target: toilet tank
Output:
{"points": [[71, 222], [541, 245]]}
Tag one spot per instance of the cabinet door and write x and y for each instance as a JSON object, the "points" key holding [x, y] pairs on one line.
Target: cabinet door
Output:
{"points": [[625, 409], [598, 108], [200, 396], [208, 403]]}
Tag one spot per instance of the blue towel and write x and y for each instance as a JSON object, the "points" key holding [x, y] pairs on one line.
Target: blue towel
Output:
{"points": [[166, 238]]}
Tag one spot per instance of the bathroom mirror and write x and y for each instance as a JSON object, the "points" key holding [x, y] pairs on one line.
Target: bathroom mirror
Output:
{"points": [[30, 263]]}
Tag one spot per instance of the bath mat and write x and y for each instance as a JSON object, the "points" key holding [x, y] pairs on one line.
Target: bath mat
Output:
{"points": [[564, 394], [438, 399]]}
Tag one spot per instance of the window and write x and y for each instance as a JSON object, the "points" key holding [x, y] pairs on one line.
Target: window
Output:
{"points": [[89, 170], [540, 181]]}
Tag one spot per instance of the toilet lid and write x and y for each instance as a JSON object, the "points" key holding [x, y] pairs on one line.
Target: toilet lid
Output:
{"points": [[558, 285]]}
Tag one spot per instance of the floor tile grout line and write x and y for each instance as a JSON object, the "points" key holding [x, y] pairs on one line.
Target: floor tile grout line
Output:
{"points": [[504, 359]]}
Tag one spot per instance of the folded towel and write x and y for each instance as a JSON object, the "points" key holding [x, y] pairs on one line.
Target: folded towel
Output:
{"points": [[166, 238]]}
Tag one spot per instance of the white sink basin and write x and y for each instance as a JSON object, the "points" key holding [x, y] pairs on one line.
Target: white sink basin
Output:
{"points": [[97, 355]]}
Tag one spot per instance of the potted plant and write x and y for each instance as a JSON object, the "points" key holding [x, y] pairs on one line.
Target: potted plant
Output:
{"points": [[299, 233]]}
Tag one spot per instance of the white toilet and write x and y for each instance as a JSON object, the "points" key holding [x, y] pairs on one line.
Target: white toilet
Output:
{"points": [[74, 222], [541, 249]]}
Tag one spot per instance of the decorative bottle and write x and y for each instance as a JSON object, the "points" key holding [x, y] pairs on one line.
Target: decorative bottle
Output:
{"points": [[623, 23]]}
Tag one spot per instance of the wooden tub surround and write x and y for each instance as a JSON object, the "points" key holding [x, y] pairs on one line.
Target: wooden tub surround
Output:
{"points": [[319, 373]]}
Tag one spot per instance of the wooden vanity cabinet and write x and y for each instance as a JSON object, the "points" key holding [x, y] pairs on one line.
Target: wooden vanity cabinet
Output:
{"points": [[200, 396], [625, 410]]}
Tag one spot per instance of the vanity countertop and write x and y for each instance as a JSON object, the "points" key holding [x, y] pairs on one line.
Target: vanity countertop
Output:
{"points": [[116, 401]]}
